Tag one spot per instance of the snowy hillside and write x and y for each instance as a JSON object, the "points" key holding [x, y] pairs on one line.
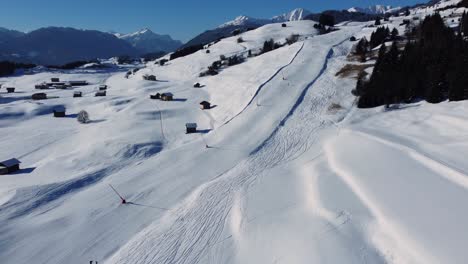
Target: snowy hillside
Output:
{"points": [[283, 169]]}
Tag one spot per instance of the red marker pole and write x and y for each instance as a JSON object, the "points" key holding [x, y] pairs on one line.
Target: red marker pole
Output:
{"points": [[118, 194]]}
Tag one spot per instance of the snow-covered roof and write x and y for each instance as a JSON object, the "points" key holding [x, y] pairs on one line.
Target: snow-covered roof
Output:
{"points": [[59, 108], [191, 125]]}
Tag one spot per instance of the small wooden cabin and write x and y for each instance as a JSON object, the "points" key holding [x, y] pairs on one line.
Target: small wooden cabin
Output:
{"points": [[197, 85], [78, 83], [60, 86], [149, 77], [283, 25], [77, 94], [100, 93], [205, 105], [41, 86], [10, 89], [59, 111], [167, 97], [155, 96], [55, 79], [102, 87], [191, 128], [39, 96], [9, 166]]}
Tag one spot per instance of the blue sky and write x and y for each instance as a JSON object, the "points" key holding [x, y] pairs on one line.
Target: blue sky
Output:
{"points": [[181, 19]]}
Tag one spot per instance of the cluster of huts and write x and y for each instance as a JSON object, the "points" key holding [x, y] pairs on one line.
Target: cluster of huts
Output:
{"points": [[204, 105], [57, 84]]}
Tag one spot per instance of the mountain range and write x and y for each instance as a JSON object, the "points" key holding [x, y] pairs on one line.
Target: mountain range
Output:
{"points": [[146, 41], [243, 23], [60, 45], [57, 45], [374, 10]]}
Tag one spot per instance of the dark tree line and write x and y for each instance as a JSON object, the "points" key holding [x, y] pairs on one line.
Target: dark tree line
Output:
{"points": [[430, 67], [9, 68], [380, 36], [185, 51]]}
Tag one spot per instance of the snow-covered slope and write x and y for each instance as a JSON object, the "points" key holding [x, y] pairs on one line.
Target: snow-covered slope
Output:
{"points": [[284, 168]]}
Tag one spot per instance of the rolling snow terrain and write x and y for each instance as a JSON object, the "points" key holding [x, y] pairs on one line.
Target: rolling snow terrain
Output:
{"points": [[284, 168]]}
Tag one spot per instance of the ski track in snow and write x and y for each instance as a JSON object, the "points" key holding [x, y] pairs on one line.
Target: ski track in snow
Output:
{"points": [[186, 238]]}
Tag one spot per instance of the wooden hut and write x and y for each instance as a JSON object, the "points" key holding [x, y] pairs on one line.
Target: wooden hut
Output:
{"points": [[78, 83], [39, 96], [59, 111], [197, 85], [283, 25], [9, 166], [77, 94], [191, 128], [41, 86], [167, 97], [100, 93], [10, 89], [149, 77], [55, 79], [102, 87], [155, 96], [205, 105]]}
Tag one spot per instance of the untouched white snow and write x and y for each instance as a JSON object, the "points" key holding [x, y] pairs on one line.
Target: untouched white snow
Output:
{"points": [[274, 176]]}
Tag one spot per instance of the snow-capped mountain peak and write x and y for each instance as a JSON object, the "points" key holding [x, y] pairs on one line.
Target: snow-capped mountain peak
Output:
{"points": [[294, 15], [245, 20], [148, 41], [376, 9]]}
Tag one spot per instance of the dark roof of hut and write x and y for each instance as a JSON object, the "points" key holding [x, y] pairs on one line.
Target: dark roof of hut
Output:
{"points": [[10, 162]]}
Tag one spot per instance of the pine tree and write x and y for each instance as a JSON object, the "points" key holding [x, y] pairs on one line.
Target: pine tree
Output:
{"points": [[394, 34]]}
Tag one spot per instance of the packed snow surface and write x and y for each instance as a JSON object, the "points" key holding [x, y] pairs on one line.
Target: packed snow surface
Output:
{"points": [[283, 169]]}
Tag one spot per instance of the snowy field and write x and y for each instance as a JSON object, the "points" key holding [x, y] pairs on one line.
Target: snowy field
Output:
{"points": [[274, 175]]}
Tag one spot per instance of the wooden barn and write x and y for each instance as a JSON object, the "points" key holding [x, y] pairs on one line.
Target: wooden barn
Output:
{"points": [[155, 96], [205, 105], [191, 128], [55, 79], [59, 111], [9, 166], [102, 87], [167, 97], [100, 93], [77, 94], [10, 89], [39, 96]]}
